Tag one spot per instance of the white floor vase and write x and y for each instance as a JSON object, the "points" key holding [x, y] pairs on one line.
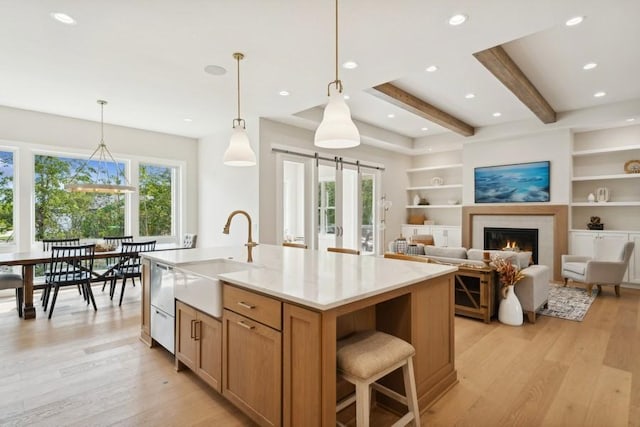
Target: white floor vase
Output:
{"points": [[510, 311]]}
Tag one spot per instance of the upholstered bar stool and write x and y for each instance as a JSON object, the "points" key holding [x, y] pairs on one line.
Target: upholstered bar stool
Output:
{"points": [[365, 357]]}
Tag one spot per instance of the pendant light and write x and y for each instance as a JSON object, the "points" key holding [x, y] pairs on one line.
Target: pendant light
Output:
{"points": [[104, 181], [336, 130], [239, 152]]}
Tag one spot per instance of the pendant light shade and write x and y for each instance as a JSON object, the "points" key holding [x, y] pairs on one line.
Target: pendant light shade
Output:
{"points": [[104, 181], [336, 130], [239, 152]]}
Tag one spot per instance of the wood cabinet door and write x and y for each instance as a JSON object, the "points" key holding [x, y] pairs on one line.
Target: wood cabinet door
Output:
{"points": [[186, 345], [252, 367], [208, 334]]}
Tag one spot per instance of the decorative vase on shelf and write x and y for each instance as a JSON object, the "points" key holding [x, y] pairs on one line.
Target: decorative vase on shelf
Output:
{"points": [[510, 311], [591, 197], [416, 200]]}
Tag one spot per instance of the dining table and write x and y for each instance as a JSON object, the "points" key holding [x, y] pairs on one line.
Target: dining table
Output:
{"points": [[29, 259]]}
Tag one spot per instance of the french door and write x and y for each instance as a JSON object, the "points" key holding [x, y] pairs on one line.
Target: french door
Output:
{"points": [[327, 204], [344, 207]]}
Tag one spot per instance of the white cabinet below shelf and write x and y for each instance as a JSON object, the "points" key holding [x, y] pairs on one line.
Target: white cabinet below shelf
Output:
{"points": [[443, 235]]}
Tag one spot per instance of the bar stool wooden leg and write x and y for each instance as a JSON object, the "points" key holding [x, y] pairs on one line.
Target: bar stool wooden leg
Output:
{"points": [[363, 405], [410, 390]]}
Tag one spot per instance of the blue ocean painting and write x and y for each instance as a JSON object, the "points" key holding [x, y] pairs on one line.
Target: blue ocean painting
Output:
{"points": [[524, 182]]}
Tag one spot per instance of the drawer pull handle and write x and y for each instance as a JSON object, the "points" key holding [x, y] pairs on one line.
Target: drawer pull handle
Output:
{"points": [[245, 305], [196, 330], [244, 325]]}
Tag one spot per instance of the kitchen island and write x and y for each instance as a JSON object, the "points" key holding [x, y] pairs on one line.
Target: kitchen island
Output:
{"points": [[272, 350]]}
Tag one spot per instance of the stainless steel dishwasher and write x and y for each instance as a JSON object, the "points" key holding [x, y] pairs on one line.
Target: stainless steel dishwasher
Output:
{"points": [[163, 306]]}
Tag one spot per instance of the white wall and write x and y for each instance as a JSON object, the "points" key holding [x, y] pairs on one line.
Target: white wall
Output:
{"points": [[554, 146], [223, 189], [30, 130], [394, 179]]}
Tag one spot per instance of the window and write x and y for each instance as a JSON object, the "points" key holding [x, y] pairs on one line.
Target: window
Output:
{"points": [[6, 197], [60, 214], [156, 200]]}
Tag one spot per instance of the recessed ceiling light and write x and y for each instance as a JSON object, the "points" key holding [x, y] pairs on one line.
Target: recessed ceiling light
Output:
{"points": [[425, 129], [63, 17], [457, 19], [599, 94], [497, 114], [574, 21], [350, 65], [347, 97], [215, 70], [391, 115], [470, 96], [188, 120], [589, 66], [284, 93], [431, 68], [631, 119]]}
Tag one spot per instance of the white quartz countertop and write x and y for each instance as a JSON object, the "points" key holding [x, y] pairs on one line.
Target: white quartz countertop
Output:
{"points": [[316, 279]]}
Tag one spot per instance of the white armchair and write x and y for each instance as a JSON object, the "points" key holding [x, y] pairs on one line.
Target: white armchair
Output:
{"points": [[604, 269]]}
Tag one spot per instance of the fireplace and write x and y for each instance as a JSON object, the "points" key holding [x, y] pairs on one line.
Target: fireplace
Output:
{"points": [[523, 239]]}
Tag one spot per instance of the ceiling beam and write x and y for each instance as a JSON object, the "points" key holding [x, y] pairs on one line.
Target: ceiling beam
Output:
{"points": [[502, 66], [409, 102]]}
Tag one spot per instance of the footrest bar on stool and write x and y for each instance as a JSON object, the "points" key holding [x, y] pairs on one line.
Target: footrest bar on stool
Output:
{"points": [[404, 420], [390, 393]]}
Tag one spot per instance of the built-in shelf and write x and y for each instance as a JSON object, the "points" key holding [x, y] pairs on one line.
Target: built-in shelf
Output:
{"points": [[435, 187], [600, 177], [432, 206], [433, 168], [605, 204], [605, 150]]}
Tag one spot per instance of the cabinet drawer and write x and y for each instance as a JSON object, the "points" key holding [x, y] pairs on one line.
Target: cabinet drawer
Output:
{"points": [[257, 307]]}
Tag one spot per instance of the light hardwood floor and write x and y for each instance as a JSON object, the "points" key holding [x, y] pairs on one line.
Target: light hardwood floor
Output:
{"points": [[83, 368]]}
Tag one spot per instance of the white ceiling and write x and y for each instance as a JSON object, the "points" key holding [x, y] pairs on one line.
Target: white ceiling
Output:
{"points": [[146, 57]]}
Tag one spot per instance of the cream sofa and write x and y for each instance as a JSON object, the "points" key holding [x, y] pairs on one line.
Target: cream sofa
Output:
{"points": [[532, 290]]}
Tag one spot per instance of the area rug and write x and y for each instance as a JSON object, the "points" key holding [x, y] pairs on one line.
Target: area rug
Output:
{"points": [[568, 303]]}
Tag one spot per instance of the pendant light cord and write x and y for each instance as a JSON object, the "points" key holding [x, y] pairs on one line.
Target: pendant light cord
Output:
{"points": [[238, 56], [337, 81], [238, 77]]}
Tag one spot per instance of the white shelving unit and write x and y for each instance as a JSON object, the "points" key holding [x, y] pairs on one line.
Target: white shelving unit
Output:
{"points": [[604, 167], [445, 167], [598, 161]]}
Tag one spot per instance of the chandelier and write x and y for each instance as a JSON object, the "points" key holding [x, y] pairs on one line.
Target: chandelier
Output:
{"points": [[104, 180]]}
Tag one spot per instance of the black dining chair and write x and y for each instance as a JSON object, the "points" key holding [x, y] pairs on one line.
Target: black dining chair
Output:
{"points": [[48, 243], [129, 265], [111, 262], [69, 266], [46, 246]]}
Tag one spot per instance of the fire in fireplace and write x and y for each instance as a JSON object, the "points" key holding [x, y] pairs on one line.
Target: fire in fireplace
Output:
{"points": [[515, 239]]}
